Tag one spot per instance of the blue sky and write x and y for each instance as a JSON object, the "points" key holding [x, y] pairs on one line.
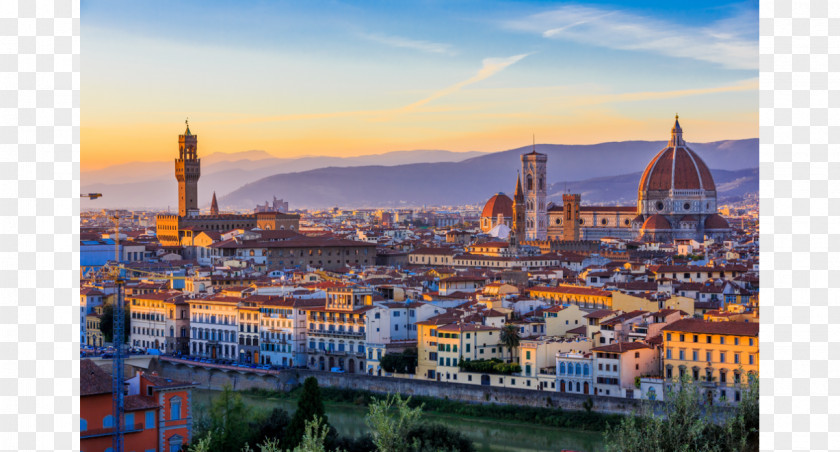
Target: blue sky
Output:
{"points": [[340, 78]]}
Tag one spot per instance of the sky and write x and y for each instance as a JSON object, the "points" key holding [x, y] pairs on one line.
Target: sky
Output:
{"points": [[356, 78]]}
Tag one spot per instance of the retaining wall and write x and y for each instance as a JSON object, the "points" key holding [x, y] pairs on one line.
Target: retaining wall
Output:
{"points": [[214, 378]]}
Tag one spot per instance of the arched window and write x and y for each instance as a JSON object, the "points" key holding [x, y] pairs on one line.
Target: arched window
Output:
{"points": [[108, 422], [175, 408], [562, 368], [585, 369], [529, 182], [577, 369]]}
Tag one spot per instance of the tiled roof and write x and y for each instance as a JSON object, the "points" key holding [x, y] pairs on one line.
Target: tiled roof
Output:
{"points": [[93, 379], [139, 402], [621, 347], [704, 327]]}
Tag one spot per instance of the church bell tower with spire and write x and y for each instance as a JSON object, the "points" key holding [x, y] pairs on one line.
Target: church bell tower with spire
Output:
{"points": [[517, 230], [187, 172]]}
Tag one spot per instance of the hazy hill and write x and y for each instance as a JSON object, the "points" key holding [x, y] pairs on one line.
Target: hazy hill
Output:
{"points": [[605, 172]]}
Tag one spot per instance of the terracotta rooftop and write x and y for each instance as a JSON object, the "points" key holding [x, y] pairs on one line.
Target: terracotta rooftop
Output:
{"points": [[704, 327], [93, 379]]}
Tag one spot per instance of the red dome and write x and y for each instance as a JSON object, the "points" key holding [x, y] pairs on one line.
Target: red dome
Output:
{"points": [[689, 219], [639, 219], [676, 170], [498, 204], [715, 222], [655, 222]]}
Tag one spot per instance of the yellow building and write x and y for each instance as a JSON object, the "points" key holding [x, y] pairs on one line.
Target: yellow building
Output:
{"points": [[93, 321], [560, 319], [721, 355], [442, 342], [585, 297], [625, 302]]}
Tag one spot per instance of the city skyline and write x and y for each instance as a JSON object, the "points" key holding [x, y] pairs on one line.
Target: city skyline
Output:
{"points": [[297, 80]]}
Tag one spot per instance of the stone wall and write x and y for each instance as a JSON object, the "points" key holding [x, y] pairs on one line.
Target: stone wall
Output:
{"points": [[214, 378]]}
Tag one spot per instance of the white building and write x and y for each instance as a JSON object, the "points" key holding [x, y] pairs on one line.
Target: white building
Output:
{"points": [[214, 327], [149, 318], [391, 327]]}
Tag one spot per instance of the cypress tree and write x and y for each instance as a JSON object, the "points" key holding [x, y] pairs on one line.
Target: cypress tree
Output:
{"points": [[309, 406]]}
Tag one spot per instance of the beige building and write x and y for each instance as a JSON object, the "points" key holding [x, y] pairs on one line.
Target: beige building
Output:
{"points": [[150, 318], [616, 367]]}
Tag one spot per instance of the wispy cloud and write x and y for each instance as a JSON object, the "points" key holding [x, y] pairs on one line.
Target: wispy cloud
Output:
{"points": [[730, 42], [489, 67], [406, 43], [743, 85]]}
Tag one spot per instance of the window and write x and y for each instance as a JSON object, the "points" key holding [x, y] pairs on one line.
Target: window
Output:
{"points": [[752, 359], [722, 340], [150, 419], [83, 425], [682, 337], [723, 357], [108, 421], [175, 408], [668, 353], [708, 339], [667, 336], [751, 342], [129, 421], [528, 355], [695, 338], [737, 358], [736, 340], [637, 354]]}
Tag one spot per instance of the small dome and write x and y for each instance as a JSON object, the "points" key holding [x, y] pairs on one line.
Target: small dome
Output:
{"points": [[689, 219], [639, 219], [656, 222], [715, 222], [498, 204]]}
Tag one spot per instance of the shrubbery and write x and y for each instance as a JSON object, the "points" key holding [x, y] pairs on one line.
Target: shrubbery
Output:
{"points": [[405, 362], [490, 366]]}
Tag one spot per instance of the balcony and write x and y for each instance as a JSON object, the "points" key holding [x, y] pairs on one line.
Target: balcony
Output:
{"points": [[96, 432], [334, 352], [327, 333]]}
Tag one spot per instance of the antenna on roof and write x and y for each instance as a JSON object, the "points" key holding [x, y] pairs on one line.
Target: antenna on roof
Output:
{"points": [[534, 138]]}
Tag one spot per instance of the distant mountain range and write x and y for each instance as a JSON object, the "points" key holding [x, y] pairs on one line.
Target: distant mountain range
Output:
{"points": [[602, 173], [153, 184]]}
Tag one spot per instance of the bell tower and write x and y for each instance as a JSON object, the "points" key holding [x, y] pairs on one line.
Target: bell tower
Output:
{"points": [[534, 181], [187, 172]]}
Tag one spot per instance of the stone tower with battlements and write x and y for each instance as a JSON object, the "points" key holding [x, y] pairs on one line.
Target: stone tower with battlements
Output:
{"points": [[187, 172], [571, 216]]}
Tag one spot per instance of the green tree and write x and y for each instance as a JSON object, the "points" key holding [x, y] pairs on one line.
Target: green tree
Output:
{"points": [[509, 337], [436, 437], [274, 426], [390, 432], [107, 323], [309, 406], [313, 440], [226, 426], [405, 362], [685, 423]]}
